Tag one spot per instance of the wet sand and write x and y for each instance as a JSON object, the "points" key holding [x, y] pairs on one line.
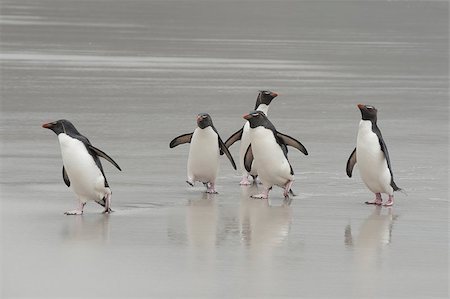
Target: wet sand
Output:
{"points": [[131, 75]]}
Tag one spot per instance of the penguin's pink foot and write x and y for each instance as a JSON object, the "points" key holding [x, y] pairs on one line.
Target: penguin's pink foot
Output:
{"points": [[211, 188], [107, 199], [74, 212], [78, 211], [287, 188], [373, 202], [260, 196], [390, 201], [107, 211], [377, 201], [245, 181]]}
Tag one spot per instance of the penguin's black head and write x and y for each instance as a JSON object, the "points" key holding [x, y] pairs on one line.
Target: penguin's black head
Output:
{"points": [[368, 112], [265, 97], [204, 120], [256, 118], [61, 126]]}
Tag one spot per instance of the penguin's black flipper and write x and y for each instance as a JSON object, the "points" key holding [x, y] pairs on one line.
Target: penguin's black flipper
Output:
{"points": [[233, 138], [351, 163], [386, 155], [248, 158], [288, 140], [102, 154], [65, 177], [223, 149], [185, 138], [384, 149]]}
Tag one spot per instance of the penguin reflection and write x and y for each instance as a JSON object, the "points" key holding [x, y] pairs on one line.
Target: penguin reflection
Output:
{"points": [[87, 229], [201, 224], [374, 235], [263, 226]]}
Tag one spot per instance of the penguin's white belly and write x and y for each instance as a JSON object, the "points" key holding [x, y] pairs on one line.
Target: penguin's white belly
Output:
{"points": [[273, 167], [85, 177], [371, 161], [203, 161]]}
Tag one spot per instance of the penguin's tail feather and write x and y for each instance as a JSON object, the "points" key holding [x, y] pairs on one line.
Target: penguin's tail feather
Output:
{"points": [[394, 186]]}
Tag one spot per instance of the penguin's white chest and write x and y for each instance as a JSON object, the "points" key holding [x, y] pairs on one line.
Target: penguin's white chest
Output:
{"points": [[273, 167], [371, 161], [85, 177], [203, 161]]}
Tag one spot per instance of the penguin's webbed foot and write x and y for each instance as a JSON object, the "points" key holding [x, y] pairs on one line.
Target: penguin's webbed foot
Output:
{"points": [[287, 189], [79, 211], [389, 202], [377, 201], [210, 188], [74, 212], [373, 202], [107, 199], [107, 211], [244, 181], [260, 196]]}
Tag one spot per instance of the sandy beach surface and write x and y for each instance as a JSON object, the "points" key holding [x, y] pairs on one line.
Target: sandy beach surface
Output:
{"points": [[132, 75]]}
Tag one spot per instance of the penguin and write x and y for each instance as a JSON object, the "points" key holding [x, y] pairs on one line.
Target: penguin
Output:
{"points": [[372, 156], [203, 160], [82, 169], [263, 101], [268, 149]]}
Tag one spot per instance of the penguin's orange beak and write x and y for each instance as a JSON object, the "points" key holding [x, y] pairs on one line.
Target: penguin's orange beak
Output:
{"points": [[361, 106], [274, 94], [47, 125], [247, 116]]}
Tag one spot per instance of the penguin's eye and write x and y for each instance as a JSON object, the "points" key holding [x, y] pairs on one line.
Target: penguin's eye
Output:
{"points": [[369, 107]]}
